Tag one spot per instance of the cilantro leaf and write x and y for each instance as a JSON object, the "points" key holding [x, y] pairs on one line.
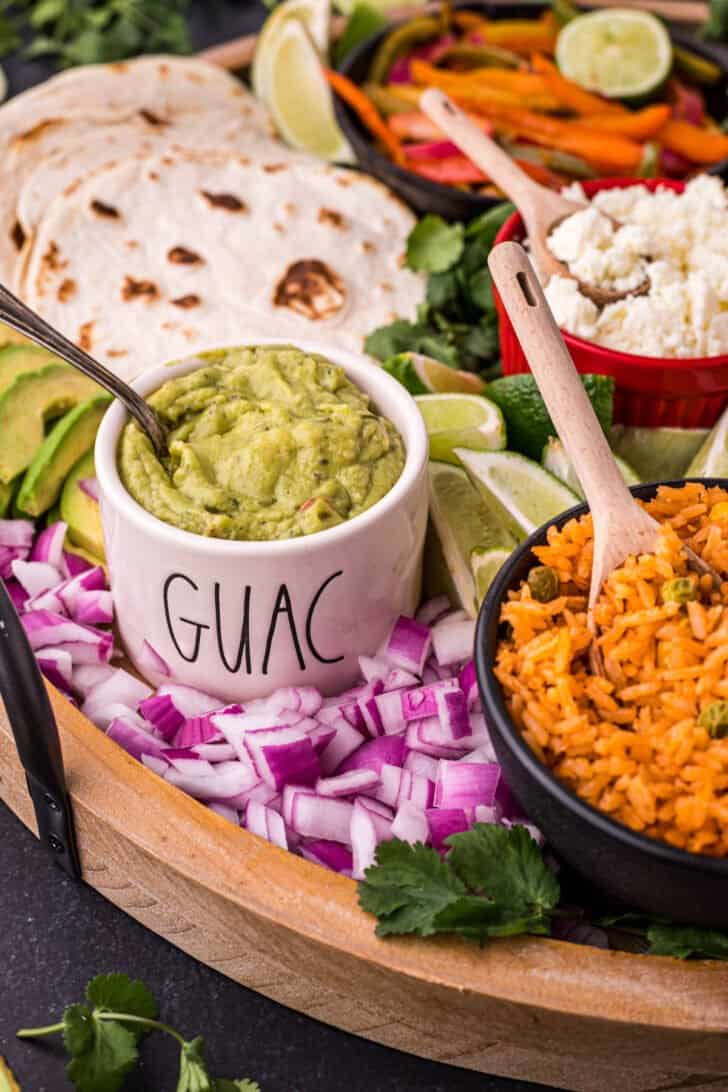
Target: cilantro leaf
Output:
{"points": [[716, 28], [193, 1075], [506, 864], [110, 1055], [78, 1029], [685, 942], [434, 246], [119, 993], [402, 369], [407, 888]]}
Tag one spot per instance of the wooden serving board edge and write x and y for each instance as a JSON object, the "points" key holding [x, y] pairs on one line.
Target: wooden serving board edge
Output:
{"points": [[568, 1016]]}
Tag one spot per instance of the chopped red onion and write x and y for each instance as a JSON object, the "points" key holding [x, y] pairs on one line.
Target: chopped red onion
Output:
{"points": [[485, 814], [452, 642], [201, 729], [73, 564], [469, 683], [321, 817], [433, 610], [155, 763], [86, 645], [374, 754], [48, 546], [150, 660], [94, 608], [408, 645], [35, 576], [129, 732], [226, 812], [347, 784], [345, 741], [228, 779], [120, 688], [18, 532], [213, 752], [443, 822], [57, 666], [331, 855], [283, 756], [87, 676], [16, 593], [410, 824], [466, 784], [364, 840]]}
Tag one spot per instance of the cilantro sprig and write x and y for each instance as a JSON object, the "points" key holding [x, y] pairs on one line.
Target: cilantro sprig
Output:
{"points": [[457, 324], [92, 31], [102, 1036], [492, 883]]}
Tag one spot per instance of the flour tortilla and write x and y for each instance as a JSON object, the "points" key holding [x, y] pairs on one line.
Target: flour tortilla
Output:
{"points": [[88, 116], [281, 247]]}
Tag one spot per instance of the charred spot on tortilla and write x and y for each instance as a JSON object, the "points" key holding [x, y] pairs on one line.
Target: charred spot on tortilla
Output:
{"points": [[153, 119], [274, 168], [67, 289], [133, 289], [102, 209], [227, 201], [182, 255], [117, 352], [35, 131], [52, 258], [368, 248], [84, 339], [312, 289], [329, 216], [18, 235], [289, 208], [187, 302], [386, 286]]}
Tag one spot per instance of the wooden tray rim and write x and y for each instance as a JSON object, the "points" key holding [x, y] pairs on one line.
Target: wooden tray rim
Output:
{"points": [[653, 991]]}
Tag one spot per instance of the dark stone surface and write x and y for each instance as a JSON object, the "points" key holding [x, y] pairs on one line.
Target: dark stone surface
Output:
{"points": [[56, 935]]}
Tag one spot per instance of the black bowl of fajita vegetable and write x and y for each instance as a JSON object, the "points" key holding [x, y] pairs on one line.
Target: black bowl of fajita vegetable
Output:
{"points": [[540, 80]]}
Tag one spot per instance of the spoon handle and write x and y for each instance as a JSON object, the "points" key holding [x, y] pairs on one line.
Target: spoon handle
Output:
{"points": [[610, 501], [533, 201], [16, 314]]}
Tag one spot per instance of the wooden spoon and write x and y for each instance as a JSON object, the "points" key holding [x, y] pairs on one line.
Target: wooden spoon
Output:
{"points": [[542, 209], [20, 317], [621, 525]]}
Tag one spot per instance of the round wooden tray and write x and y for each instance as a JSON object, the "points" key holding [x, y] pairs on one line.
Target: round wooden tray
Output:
{"points": [[568, 1016]]}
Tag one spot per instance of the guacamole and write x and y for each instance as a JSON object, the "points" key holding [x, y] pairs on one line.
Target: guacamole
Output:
{"points": [[264, 443]]}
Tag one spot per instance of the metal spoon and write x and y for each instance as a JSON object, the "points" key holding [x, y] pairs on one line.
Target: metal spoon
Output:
{"points": [[541, 209], [26, 321], [621, 525]]}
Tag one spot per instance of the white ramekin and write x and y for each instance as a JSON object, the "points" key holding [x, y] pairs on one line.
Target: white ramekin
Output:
{"points": [[238, 619]]}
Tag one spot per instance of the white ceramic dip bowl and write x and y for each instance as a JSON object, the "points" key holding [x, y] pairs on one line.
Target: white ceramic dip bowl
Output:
{"points": [[239, 619]]}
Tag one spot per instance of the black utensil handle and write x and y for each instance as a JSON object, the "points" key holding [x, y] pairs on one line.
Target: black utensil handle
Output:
{"points": [[36, 737]]}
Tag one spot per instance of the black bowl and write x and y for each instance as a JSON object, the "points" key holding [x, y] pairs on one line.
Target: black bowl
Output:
{"points": [[642, 873], [451, 203]]}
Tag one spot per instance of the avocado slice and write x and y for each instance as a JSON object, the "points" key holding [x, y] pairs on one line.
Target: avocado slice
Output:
{"points": [[69, 438], [30, 401], [80, 511], [17, 360]]}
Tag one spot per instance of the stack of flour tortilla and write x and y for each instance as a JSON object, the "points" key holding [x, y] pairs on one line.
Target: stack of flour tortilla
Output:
{"points": [[148, 211]]}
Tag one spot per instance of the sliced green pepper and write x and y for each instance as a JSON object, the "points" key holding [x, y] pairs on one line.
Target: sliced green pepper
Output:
{"points": [[650, 163], [696, 67], [680, 590], [386, 101], [481, 56], [399, 42], [714, 718], [543, 582]]}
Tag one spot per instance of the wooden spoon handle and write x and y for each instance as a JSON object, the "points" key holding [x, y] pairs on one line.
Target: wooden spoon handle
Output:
{"points": [[559, 383], [483, 151]]}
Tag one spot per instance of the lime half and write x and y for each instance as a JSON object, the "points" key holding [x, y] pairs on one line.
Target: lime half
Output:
{"points": [[657, 454], [558, 463], [289, 80], [471, 535], [621, 53], [711, 460], [526, 493], [461, 420]]}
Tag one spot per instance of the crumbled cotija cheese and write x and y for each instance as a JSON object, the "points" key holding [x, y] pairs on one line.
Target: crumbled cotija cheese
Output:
{"points": [[680, 241]]}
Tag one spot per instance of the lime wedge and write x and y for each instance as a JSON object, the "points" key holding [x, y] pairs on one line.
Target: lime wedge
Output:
{"points": [[468, 532], [461, 420], [558, 463], [314, 15], [657, 454], [527, 495], [621, 52], [438, 378], [289, 80], [711, 461]]}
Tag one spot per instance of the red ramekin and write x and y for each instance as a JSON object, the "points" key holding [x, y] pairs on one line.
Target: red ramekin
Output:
{"points": [[655, 391]]}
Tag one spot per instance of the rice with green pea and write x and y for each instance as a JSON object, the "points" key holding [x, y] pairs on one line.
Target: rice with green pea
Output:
{"points": [[648, 745]]}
